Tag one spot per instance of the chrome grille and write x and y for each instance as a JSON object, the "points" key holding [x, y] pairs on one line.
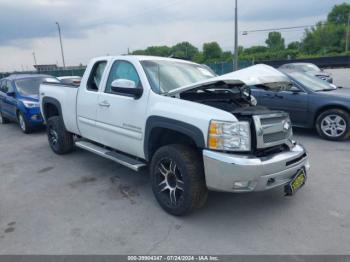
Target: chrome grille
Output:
{"points": [[272, 129], [270, 138]]}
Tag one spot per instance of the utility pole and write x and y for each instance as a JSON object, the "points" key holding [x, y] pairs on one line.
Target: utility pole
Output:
{"points": [[35, 63], [60, 36], [235, 62], [347, 35]]}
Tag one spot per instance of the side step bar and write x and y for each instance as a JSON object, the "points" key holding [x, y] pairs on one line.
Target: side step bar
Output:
{"points": [[120, 158]]}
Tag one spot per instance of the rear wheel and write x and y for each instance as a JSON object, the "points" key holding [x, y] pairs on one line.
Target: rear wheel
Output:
{"points": [[3, 120], [178, 181], [333, 124], [60, 140], [23, 124]]}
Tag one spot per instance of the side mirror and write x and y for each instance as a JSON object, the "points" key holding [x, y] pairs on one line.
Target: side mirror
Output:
{"points": [[127, 87], [11, 93]]}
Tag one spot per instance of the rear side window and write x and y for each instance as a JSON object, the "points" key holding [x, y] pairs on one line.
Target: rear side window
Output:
{"points": [[96, 76]]}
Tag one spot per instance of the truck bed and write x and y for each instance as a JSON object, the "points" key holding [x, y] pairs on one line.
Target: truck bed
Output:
{"points": [[66, 95]]}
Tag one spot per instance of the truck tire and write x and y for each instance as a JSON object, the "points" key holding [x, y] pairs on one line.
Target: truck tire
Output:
{"points": [[60, 140], [3, 120], [23, 124], [333, 124], [177, 178]]}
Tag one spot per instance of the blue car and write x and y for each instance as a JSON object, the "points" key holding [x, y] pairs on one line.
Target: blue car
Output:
{"points": [[19, 100]]}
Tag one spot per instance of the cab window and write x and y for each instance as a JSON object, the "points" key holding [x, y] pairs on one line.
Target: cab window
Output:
{"points": [[96, 76], [122, 70]]}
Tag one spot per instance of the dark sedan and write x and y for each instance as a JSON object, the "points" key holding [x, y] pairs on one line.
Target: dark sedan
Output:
{"points": [[308, 68], [311, 103]]}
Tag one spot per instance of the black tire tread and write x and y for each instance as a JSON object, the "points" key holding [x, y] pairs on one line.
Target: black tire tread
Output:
{"points": [[340, 112], [65, 139], [28, 128], [195, 172]]}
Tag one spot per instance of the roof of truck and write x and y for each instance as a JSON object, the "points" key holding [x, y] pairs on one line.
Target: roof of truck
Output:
{"points": [[144, 58]]}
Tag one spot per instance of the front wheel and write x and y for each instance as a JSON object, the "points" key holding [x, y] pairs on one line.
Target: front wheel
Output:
{"points": [[177, 178], [60, 140], [23, 124], [333, 124]]}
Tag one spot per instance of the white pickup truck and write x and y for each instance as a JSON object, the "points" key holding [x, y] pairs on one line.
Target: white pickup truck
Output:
{"points": [[196, 131]]}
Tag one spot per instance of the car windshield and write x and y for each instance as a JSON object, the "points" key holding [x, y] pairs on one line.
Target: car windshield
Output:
{"points": [[308, 68], [311, 82], [30, 86], [165, 76]]}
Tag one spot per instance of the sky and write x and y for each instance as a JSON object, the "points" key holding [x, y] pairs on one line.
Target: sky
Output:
{"points": [[111, 27]]}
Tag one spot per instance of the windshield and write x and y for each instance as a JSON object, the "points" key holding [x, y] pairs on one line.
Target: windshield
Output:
{"points": [[311, 82], [309, 68], [165, 76], [30, 86]]}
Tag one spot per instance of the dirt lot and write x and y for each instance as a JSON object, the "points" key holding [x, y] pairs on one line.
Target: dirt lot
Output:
{"points": [[84, 204]]}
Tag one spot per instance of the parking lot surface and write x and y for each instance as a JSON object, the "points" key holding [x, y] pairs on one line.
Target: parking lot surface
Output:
{"points": [[84, 204]]}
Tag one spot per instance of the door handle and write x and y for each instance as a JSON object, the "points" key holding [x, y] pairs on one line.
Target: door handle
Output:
{"points": [[104, 104], [267, 95], [279, 96]]}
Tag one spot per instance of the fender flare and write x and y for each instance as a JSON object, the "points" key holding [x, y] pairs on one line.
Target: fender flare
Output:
{"points": [[162, 122], [55, 102]]}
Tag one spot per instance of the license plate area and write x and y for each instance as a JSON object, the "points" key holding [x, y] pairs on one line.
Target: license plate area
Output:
{"points": [[297, 182]]}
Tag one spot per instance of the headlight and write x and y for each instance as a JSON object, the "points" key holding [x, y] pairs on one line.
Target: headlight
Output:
{"points": [[30, 104], [229, 136]]}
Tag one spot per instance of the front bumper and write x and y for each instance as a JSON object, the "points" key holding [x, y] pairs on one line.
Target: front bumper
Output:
{"points": [[33, 116], [240, 173]]}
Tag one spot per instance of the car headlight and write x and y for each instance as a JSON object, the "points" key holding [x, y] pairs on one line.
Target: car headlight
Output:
{"points": [[229, 136], [30, 104]]}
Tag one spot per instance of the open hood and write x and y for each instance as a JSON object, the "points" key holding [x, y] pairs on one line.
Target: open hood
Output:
{"points": [[250, 76]]}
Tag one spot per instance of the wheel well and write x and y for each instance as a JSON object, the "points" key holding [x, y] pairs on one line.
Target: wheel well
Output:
{"points": [[50, 110], [162, 136], [328, 107]]}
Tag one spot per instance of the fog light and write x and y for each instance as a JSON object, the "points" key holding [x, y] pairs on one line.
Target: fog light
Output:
{"points": [[241, 184], [35, 117]]}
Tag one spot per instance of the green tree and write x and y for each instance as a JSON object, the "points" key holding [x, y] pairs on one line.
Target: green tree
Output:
{"points": [[324, 38], [158, 51], [198, 58], [255, 49], [139, 52], [294, 45], [184, 50], [275, 41], [212, 52], [339, 14]]}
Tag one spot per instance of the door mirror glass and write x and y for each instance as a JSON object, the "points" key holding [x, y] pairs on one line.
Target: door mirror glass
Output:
{"points": [[126, 87], [295, 90]]}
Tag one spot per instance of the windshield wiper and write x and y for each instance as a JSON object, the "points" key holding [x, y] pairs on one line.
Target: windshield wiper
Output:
{"points": [[325, 90]]}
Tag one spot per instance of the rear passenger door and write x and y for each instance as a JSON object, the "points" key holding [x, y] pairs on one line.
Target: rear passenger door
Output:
{"points": [[87, 102]]}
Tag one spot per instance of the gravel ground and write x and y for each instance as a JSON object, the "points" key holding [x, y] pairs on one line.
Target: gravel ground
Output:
{"points": [[83, 204]]}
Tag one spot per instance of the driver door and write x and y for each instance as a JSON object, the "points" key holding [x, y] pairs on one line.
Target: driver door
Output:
{"points": [[293, 101], [121, 118]]}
